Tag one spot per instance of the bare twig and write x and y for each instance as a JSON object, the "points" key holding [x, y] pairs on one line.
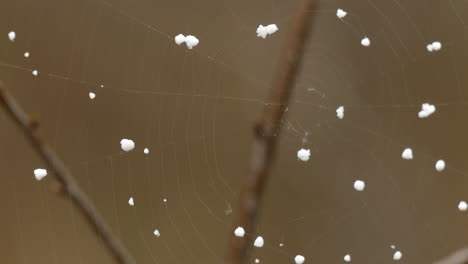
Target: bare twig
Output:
{"points": [[459, 257], [266, 131], [83, 203]]}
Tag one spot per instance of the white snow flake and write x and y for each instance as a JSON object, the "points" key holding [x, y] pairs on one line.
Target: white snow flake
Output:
{"points": [[261, 31], [407, 154], [436, 45], [347, 258], [127, 144], [259, 242], [340, 112], [239, 232], [397, 255], [462, 206], [39, 174], [179, 39], [299, 259], [440, 165], [130, 201], [303, 154], [191, 41], [359, 185], [365, 42], [426, 110], [271, 29], [340, 13], [157, 233], [12, 36]]}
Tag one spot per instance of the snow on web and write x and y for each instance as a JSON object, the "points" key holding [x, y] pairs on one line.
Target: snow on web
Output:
{"points": [[111, 83]]}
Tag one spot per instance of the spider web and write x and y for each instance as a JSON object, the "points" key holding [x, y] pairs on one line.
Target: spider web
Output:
{"points": [[194, 109]]}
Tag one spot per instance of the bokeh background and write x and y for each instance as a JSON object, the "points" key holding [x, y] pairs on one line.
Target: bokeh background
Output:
{"points": [[194, 110]]}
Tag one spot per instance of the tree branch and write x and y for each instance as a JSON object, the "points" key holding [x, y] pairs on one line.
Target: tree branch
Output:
{"points": [[267, 130], [83, 203], [459, 257]]}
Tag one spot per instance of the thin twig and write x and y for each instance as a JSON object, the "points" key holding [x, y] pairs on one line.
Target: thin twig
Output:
{"points": [[70, 185], [267, 130], [459, 257]]}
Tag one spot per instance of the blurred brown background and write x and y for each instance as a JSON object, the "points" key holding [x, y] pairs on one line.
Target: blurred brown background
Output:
{"points": [[194, 110]]}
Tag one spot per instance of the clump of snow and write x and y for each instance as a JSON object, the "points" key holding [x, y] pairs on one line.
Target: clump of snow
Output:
{"points": [[164, 200], [340, 112], [440, 165], [92, 95], [257, 260], [359, 185], [407, 154], [239, 232], [262, 31], [12, 36], [191, 41], [462, 206], [303, 154], [39, 174], [434, 46], [146, 151], [130, 201], [127, 144], [157, 233], [340, 13], [426, 110], [259, 242], [347, 258], [397, 255], [35, 72], [26, 54], [299, 259], [179, 39], [365, 42]]}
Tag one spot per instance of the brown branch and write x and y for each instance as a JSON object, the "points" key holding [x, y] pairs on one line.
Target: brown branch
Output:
{"points": [[267, 130], [459, 257], [83, 203]]}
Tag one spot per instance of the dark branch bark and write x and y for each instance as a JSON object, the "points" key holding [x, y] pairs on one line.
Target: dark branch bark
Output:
{"points": [[267, 130], [83, 203], [459, 257]]}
